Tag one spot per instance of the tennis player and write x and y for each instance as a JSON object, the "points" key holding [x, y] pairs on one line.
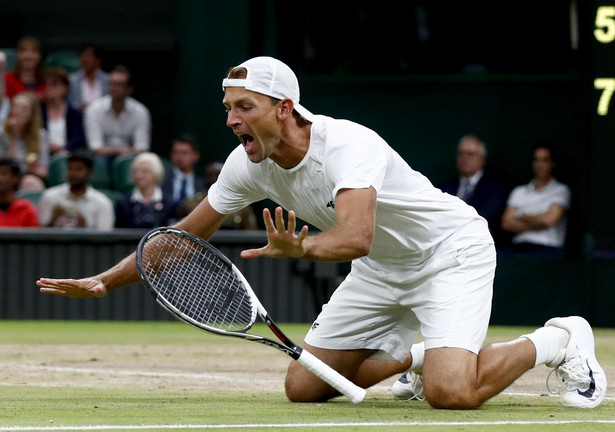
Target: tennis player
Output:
{"points": [[422, 261]]}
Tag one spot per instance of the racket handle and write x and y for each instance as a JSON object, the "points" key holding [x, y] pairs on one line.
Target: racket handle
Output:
{"points": [[331, 377]]}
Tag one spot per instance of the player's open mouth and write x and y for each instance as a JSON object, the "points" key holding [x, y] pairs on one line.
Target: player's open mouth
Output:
{"points": [[247, 141]]}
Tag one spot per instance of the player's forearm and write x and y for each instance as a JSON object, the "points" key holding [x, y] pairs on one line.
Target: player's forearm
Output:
{"points": [[352, 236], [338, 244], [122, 274]]}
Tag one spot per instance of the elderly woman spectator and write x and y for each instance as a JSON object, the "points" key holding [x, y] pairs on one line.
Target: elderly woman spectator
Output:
{"points": [[145, 206], [23, 138]]}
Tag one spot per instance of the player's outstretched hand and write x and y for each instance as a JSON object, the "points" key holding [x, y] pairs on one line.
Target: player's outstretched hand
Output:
{"points": [[282, 241], [72, 287]]}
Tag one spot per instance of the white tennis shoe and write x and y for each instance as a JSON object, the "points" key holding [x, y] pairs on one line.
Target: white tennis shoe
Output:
{"points": [[583, 377], [409, 387]]}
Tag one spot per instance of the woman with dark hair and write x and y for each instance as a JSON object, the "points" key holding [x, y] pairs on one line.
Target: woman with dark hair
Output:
{"points": [[14, 211], [63, 122], [536, 212]]}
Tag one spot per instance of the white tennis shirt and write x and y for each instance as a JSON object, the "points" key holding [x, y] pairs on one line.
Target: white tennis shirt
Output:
{"points": [[412, 216], [531, 201]]}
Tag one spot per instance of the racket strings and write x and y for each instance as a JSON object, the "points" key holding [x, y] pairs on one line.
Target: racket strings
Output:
{"points": [[197, 283]]}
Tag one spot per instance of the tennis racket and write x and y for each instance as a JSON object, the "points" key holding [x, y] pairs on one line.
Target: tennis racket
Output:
{"points": [[199, 285]]}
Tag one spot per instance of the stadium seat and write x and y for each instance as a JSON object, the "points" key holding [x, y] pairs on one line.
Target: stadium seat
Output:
{"points": [[120, 173], [11, 58], [113, 195], [58, 167], [67, 59], [101, 179], [31, 195], [168, 165]]}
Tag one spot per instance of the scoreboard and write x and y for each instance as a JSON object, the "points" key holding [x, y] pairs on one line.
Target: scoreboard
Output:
{"points": [[602, 123], [604, 56]]}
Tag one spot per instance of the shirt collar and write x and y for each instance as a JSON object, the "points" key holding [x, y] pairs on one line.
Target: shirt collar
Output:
{"points": [[180, 174], [70, 196], [138, 196], [532, 184], [474, 179]]}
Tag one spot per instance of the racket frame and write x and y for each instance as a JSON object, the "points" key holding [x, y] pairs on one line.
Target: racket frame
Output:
{"points": [[305, 358]]}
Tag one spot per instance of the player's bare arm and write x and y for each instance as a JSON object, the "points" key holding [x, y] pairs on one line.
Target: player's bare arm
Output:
{"points": [[203, 221], [350, 238], [122, 274]]}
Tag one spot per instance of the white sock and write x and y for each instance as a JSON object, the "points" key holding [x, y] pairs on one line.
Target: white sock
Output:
{"points": [[418, 355], [550, 343]]}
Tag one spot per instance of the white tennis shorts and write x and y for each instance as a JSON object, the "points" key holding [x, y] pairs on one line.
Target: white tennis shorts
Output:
{"points": [[447, 300]]}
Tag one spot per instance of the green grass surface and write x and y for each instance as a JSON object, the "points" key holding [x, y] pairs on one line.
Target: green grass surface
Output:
{"points": [[151, 376]]}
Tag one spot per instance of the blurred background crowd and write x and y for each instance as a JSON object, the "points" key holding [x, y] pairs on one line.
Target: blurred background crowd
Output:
{"points": [[111, 114]]}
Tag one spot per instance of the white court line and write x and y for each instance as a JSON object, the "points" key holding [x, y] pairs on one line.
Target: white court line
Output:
{"points": [[202, 376], [120, 372], [293, 425]]}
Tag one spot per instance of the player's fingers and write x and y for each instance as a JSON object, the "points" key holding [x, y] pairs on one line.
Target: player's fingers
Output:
{"points": [[279, 219], [251, 253], [54, 283], [303, 233], [292, 222], [53, 291], [269, 226]]}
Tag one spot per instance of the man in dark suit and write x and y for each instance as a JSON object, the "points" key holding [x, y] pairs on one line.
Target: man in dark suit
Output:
{"points": [[486, 194], [181, 181]]}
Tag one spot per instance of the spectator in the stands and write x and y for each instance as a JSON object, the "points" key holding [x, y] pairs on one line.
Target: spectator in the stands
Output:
{"points": [[24, 139], [76, 204], [89, 82], [28, 73], [117, 124], [244, 219], [4, 101], [181, 181], [14, 211], [485, 193], [145, 206], [63, 123], [536, 212]]}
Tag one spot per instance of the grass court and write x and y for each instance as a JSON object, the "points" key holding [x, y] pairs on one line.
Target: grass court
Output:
{"points": [[167, 376]]}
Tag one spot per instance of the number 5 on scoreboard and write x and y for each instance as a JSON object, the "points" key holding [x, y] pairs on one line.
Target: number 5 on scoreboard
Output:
{"points": [[605, 24], [607, 85]]}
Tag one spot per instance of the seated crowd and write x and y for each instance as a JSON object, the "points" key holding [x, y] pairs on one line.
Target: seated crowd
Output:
{"points": [[91, 117], [84, 122]]}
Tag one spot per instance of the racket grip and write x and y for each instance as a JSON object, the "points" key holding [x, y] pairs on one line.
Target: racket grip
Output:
{"points": [[331, 376]]}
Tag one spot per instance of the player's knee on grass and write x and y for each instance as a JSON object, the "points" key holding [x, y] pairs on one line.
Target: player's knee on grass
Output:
{"points": [[449, 379], [303, 386], [442, 395]]}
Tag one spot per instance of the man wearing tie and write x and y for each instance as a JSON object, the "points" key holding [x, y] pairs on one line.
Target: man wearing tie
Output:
{"points": [[486, 194], [181, 182]]}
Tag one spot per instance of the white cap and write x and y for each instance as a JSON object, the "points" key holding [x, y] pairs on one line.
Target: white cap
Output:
{"points": [[270, 77]]}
